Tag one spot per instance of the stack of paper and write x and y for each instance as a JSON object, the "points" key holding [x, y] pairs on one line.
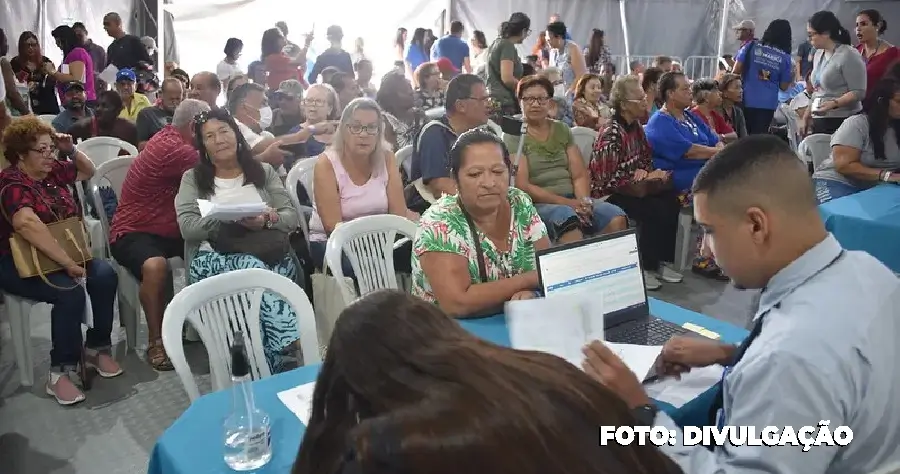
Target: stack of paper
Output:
{"points": [[229, 212], [299, 401], [563, 325]]}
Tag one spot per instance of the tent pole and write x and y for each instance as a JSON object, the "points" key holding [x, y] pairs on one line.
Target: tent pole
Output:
{"points": [[625, 34], [726, 5]]}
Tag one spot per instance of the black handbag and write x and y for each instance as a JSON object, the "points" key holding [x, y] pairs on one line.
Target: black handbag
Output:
{"points": [[269, 245]]}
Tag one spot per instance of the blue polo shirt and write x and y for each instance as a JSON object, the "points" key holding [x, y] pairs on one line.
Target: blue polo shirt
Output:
{"points": [[764, 71], [671, 139], [451, 47], [431, 155]]}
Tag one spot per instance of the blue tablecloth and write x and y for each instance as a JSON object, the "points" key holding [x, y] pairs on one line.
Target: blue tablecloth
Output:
{"points": [[868, 220], [193, 444]]}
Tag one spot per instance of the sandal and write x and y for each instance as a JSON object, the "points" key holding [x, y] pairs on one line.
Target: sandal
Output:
{"points": [[159, 360]]}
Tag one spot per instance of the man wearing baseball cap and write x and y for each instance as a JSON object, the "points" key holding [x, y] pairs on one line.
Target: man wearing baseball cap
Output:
{"points": [[73, 107], [133, 101], [452, 48], [335, 56], [287, 114], [744, 31]]}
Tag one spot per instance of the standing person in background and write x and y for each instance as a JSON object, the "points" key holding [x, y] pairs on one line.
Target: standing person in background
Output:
{"points": [[877, 53], [745, 32], [504, 66], [77, 64], [596, 55], [804, 59], [430, 39], [838, 76], [364, 78], [766, 67], [569, 59], [280, 66], [359, 50], [98, 55], [126, 51], [415, 53], [400, 44], [334, 56], [477, 49], [541, 52], [229, 67], [28, 67], [290, 48], [453, 48]]}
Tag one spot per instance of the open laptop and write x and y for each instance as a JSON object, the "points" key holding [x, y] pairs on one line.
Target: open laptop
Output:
{"points": [[608, 266]]}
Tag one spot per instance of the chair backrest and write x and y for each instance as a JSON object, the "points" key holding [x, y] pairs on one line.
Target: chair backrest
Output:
{"points": [[47, 118], [495, 128], [793, 125], [404, 159], [584, 140], [103, 149], [435, 113], [301, 172], [369, 244], [222, 304], [111, 173], [815, 148]]}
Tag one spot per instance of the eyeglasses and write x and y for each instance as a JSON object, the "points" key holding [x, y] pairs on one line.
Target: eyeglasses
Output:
{"points": [[31, 44], [535, 100], [357, 129], [315, 102], [44, 150], [483, 99]]}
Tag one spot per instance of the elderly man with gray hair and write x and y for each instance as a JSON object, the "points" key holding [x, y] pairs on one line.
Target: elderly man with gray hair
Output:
{"points": [[144, 233]]}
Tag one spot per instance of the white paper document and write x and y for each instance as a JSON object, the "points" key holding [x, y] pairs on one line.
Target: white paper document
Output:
{"points": [[678, 392], [109, 74], [559, 325], [299, 401], [640, 359], [229, 212]]}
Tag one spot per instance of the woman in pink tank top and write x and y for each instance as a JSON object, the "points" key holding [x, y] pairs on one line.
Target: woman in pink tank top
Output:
{"points": [[356, 176]]}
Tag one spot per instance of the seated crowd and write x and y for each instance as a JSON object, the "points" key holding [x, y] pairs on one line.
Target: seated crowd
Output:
{"points": [[484, 203]]}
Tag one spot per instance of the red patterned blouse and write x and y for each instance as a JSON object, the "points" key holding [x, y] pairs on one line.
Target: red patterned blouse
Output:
{"points": [[619, 151], [49, 198]]}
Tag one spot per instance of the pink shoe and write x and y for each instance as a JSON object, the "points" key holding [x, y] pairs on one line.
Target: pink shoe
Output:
{"points": [[102, 362], [61, 387]]}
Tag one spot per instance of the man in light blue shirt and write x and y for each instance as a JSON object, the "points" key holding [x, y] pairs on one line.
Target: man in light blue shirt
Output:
{"points": [[453, 48], [824, 344]]}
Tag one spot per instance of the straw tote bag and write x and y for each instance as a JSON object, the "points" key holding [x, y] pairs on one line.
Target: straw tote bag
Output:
{"points": [[69, 233]]}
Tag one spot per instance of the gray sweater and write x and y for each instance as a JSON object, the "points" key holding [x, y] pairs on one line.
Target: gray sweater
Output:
{"points": [[838, 73], [195, 229]]}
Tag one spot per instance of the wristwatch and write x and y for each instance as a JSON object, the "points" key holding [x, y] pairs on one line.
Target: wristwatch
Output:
{"points": [[886, 175], [645, 414]]}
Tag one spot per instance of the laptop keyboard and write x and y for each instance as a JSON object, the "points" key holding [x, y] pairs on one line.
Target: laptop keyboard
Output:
{"points": [[653, 332]]}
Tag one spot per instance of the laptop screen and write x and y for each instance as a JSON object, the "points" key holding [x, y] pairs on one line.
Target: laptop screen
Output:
{"points": [[607, 266]]}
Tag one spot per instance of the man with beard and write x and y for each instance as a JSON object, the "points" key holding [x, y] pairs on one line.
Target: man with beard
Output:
{"points": [[152, 119], [74, 108], [106, 121]]}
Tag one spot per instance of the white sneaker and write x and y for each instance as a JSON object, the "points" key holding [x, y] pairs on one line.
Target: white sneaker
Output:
{"points": [[668, 275], [651, 282]]}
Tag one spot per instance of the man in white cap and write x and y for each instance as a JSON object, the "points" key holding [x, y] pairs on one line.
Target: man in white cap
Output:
{"points": [[745, 32]]}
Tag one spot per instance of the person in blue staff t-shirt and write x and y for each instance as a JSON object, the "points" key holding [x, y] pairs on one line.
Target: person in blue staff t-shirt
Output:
{"points": [[453, 48], [766, 67]]}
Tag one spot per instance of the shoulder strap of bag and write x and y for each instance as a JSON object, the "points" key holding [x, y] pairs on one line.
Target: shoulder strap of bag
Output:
{"points": [[436, 123], [36, 191], [482, 269]]}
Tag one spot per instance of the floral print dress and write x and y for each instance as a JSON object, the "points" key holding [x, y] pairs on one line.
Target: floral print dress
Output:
{"points": [[443, 228]]}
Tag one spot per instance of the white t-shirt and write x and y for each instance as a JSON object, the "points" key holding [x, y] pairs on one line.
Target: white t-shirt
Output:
{"points": [[252, 137], [226, 71]]}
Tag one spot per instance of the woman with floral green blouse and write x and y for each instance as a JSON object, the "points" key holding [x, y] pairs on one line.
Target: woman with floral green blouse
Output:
{"points": [[475, 250]]}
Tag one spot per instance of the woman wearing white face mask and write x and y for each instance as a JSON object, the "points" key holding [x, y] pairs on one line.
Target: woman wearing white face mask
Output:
{"points": [[249, 106]]}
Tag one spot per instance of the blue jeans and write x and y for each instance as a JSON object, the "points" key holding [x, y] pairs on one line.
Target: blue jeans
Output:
{"points": [[559, 217], [828, 189], [68, 306]]}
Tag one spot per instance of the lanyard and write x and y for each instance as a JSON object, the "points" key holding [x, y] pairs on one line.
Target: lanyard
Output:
{"points": [[817, 73], [716, 412]]}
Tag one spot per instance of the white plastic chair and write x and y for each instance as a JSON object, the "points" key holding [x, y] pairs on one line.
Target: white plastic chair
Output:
{"points": [[495, 128], [369, 244], [584, 139], [47, 118], [435, 113], [301, 172], [222, 304], [683, 238], [815, 149], [19, 311], [103, 149], [112, 173], [404, 159]]}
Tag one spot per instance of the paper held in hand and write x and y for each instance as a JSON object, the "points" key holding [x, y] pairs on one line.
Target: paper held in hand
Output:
{"points": [[299, 400], [233, 204], [562, 325]]}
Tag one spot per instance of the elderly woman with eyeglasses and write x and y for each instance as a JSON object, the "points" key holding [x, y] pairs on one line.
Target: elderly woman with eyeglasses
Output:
{"points": [[552, 171], [430, 91], [357, 176], [35, 193], [227, 169]]}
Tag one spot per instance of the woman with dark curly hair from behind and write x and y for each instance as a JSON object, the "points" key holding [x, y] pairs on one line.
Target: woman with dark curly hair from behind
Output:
{"points": [[766, 67], [34, 192], [405, 389]]}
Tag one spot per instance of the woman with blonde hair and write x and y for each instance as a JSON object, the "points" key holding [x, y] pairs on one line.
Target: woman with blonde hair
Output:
{"points": [[587, 108], [356, 176]]}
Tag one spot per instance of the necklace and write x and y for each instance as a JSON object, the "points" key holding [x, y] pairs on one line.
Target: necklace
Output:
{"points": [[868, 57]]}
